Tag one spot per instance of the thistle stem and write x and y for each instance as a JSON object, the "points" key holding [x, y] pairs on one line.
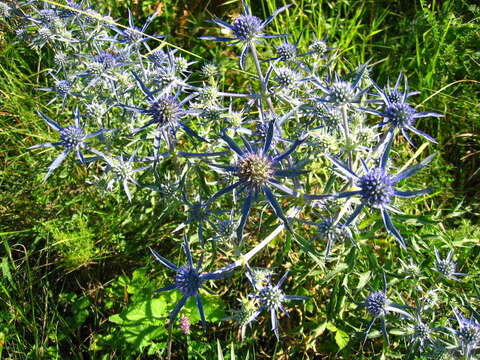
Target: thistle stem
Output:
{"points": [[245, 258], [260, 77], [346, 132]]}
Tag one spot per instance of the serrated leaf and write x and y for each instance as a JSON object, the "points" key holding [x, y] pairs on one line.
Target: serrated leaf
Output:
{"points": [[363, 279], [338, 269]]}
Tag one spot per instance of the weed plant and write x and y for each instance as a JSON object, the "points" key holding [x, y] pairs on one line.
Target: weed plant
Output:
{"points": [[283, 171]]}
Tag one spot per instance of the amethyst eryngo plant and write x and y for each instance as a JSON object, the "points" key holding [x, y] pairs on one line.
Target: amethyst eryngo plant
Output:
{"points": [[246, 29], [270, 298], [188, 280], [72, 139], [377, 188], [296, 115], [257, 170]]}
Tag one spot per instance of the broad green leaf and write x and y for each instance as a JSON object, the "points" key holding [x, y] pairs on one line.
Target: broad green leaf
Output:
{"points": [[341, 338]]}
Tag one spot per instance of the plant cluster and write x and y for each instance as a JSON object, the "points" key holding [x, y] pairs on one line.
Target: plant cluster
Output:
{"points": [[316, 147]]}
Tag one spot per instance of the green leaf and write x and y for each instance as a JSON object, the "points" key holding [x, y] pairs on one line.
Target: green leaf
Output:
{"points": [[363, 279], [219, 351], [341, 338]]}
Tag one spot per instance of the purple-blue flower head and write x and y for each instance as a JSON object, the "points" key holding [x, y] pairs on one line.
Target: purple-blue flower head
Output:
{"points": [[72, 138], [246, 29], [165, 111], [397, 113], [188, 280], [377, 188], [257, 170], [467, 334], [340, 92], [378, 305], [271, 298], [446, 267]]}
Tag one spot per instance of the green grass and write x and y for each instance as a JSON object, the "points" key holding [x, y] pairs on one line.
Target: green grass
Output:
{"points": [[71, 259]]}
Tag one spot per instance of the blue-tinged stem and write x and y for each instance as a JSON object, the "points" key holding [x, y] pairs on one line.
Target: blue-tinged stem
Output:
{"points": [[346, 132], [260, 76]]}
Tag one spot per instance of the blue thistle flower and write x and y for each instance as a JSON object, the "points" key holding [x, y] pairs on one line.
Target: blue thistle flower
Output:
{"points": [[446, 267], [121, 171], [72, 138], [468, 334], [378, 305], [340, 92], [166, 112], [133, 35], [271, 298], [377, 188], [62, 88], [246, 29], [199, 212], [318, 47], [286, 51], [188, 280], [256, 171], [398, 114], [329, 230], [422, 333]]}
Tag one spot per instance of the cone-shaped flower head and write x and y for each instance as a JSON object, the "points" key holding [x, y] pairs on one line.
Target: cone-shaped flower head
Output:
{"points": [[377, 188], [188, 280], [271, 298]]}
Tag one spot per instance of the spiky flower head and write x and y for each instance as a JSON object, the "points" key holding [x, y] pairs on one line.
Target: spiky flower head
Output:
{"points": [[468, 334], [422, 333], [188, 280], [397, 113], [376, 187], [208, 95], [286, 51], [61, 59], [210, 70], [180, 64], [255, 169], [318, 47], [285, 77], [400, 114], [108, 59], [63, 87], [165, 77], [164, 110], [376, 303], [71, 137], [430, 298], [4, 10], [341, 92], [44, 34], [157, 57], [259, 277], [446, 267], [247, 27], [271, 298]]}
